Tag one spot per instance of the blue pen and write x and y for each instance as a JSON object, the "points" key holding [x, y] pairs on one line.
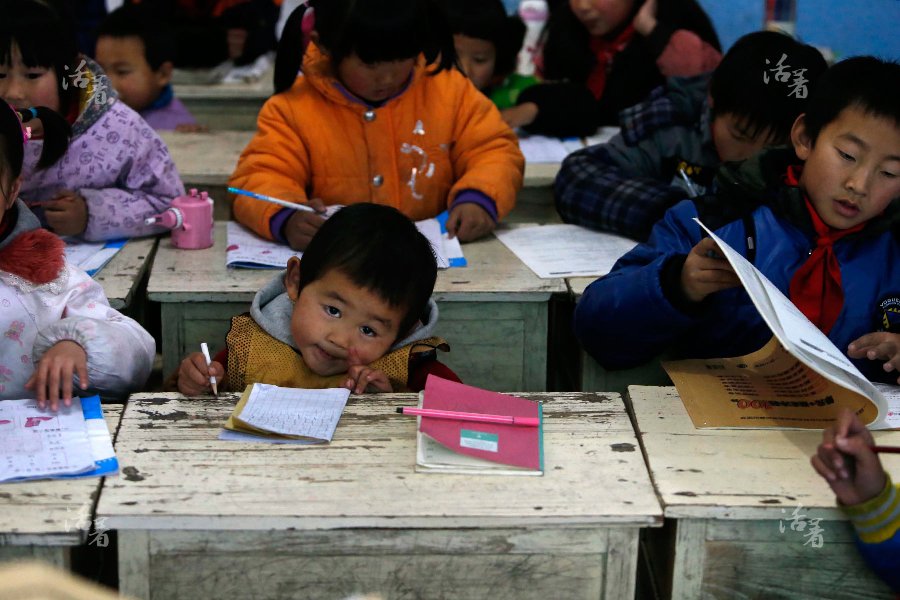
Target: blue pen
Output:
{"points": [[277, 201]]}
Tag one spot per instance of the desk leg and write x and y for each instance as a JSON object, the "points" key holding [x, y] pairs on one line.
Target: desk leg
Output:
{"points": [[134, 563], [690, 553], [621, 563]]}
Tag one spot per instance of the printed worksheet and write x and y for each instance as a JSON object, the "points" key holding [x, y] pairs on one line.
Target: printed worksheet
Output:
{"points": [[37, 443], [294, 411], [565, 250], [91, 256]]}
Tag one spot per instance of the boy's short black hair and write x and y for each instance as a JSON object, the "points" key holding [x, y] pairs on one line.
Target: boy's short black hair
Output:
{"points": [[379, 249], [134, 20], [487, 20], [749, 84], [866, 82]]}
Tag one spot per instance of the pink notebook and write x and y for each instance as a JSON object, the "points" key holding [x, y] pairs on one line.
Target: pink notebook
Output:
{"points": [[512, 445]]}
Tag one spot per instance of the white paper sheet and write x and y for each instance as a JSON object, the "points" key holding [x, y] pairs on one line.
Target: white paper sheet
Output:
{"points": [[543, 149], [798, 335], [553, 251], [293, 411], [91, 256], [38, 443], [602, 136]]}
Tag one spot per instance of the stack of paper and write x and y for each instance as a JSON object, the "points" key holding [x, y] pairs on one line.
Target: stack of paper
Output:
{"points": [[268, 413], [38, 444], [565, 250], [91, 256], [479, 448], [247, 250]]}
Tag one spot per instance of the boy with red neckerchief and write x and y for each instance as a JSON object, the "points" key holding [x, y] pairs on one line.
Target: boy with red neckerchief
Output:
{"points": [[819, 220]]}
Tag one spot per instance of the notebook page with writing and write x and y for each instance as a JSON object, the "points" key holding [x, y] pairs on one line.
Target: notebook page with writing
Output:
{"points": [[294, 411]]}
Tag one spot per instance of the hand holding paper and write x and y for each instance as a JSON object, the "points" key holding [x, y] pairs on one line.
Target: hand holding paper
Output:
{"points": [[879, 345], [704, 274]]}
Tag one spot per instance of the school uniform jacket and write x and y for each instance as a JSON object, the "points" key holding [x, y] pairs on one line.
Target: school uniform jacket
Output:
{"points": [[417, 152], [877, 525], [44, 300], [637, 311], [115, 160]]}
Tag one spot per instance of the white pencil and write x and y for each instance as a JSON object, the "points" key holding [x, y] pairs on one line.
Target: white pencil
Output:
{"points": [[212, 379], [277, 201]]}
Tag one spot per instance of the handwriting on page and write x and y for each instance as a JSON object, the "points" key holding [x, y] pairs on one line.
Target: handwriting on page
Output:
{"points": [[289, 411]]}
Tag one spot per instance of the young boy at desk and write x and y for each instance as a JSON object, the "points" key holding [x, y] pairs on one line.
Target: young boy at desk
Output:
{"points": [[356, 312], [819, 220], [846, 460], [136, 50], [671, 144]]}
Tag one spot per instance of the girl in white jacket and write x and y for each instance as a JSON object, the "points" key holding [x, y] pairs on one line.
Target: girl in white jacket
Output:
{"points": [[58, 330]]}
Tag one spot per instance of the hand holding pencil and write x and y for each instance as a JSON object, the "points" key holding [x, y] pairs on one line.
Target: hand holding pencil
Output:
{"points": [[847, 460], [66, 212]]}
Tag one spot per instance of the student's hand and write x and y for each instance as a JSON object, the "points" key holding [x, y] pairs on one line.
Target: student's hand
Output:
{"points": [[55, 371], [193, 375], [303, 225], [645, 19], [845, 459], [363, 379], [880, 345], [520, 115], [191, 128], [469, 222], [66, 213], [702, 274]]}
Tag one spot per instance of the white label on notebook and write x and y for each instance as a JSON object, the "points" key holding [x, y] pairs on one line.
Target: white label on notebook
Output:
{"points": [[478, 440]]}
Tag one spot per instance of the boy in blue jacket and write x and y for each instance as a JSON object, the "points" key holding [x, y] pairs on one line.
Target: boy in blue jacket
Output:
{"points": [[865, 492], [690, 125], [820, 221]]}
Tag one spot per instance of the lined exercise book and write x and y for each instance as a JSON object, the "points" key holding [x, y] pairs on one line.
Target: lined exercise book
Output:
{"points": [[91, 256], [40, 444], [553, 251], [269, 413], [247, 250], [451, 446]]}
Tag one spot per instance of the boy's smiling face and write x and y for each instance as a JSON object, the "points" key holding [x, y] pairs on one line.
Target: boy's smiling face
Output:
{"points": [[333, 317], [852, 171]]}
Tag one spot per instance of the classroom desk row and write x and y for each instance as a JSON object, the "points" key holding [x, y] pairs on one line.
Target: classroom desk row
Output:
{"points": [[201, 518]]}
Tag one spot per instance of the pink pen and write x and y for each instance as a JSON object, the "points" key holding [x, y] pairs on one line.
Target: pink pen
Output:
{"points": [[467, 416]]}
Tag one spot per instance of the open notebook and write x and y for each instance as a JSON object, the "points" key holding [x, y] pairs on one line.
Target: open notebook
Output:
{"points": [[247, 250], [39, 444], [91, 256]]}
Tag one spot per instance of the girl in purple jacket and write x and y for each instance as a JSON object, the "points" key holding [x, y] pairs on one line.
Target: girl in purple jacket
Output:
{"points": [[117, 171]]}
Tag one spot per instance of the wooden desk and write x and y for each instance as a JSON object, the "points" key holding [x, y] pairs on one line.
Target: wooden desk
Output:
{"points": [[122, 275], [727, 491], [201, 518], [41, 519], [596, 378], [226, 105], [494, 312]]}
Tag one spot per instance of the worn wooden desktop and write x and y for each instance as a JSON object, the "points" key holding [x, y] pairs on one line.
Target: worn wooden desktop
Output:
{"points": [[123, 274], [225, 105], [43, 519], [494, 313], [725, 493], [202, 518]]}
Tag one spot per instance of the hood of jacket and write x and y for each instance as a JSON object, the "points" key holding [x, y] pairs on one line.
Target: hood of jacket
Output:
{"points": [[272, 310]]}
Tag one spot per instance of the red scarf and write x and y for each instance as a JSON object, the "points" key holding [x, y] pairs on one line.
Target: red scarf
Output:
{"points": [[816, 286], [604, 50]]}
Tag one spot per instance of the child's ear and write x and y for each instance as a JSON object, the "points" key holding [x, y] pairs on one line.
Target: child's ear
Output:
{"points": [[800, 138], [292, 279], [13, 192], [164, 73]]}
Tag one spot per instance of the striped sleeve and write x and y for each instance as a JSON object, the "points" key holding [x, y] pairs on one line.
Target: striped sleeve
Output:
{"points": [[878, 519]]}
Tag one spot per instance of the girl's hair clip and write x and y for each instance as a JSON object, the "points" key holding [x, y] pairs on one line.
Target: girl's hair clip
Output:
{"points": [[20, 115]]}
